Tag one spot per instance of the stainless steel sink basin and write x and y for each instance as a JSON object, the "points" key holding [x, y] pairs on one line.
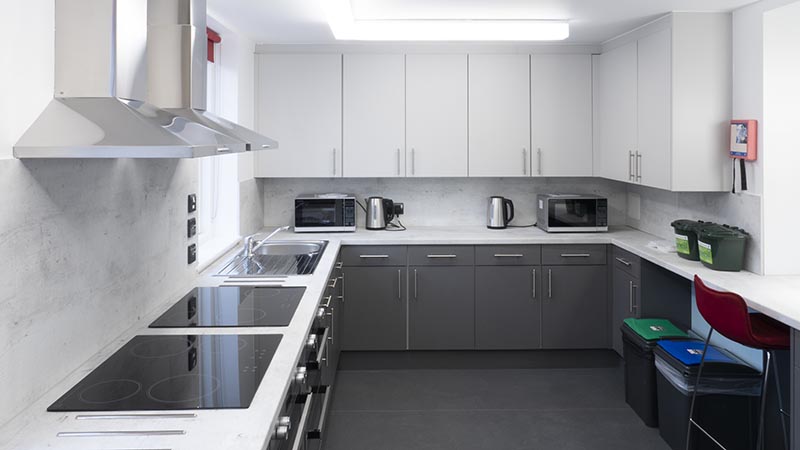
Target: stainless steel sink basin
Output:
{"points": [[275, 258]]}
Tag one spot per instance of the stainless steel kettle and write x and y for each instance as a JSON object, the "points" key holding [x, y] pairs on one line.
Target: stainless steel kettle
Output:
{"points": [[501, 212], [380, 211]]}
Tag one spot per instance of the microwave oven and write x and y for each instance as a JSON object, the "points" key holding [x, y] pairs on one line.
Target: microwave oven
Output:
{"points": [[324, 213], [571, 213]]}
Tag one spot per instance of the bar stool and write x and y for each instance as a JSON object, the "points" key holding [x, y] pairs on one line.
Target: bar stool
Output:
{"points": [[727, 313]]}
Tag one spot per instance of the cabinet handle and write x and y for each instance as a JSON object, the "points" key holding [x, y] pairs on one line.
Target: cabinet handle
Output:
{"points": [[539, 160], [373, 256], [630, 166], [339, 265], [627, 263], [634, 306], [398, 162], [442, 256], [533, 276], [333, 282], [413, 162], [342, 296], [549, 283], [508, 255], [575, 255], [415, 284], [638, 166], [327, 301], [524, 161], [334, 162], [333, 322], [630, 297], [399, 285], [223, 149]]}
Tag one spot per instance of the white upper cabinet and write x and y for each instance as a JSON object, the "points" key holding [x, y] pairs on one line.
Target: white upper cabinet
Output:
{"points": [[299, 103], [374, 115], [654, 147], [499, 115], [616, 112], [561, 115], [665, 96], [436, 115]]}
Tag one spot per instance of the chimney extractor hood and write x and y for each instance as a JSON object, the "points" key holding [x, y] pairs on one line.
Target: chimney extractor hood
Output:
{"points": [[176, 67], [100, 81]]}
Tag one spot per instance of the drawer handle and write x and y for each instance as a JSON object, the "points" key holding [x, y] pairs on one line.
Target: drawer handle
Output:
{"points": [[627, 263], [333, 282], [442, 256], [373, 256], [508, 255], [575, 255], [121, 433], [303, 424], [327, 301], [323, 414], [339, 265]]}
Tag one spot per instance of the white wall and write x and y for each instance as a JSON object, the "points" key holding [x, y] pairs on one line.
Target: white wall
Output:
{"points": [[781, 156]]}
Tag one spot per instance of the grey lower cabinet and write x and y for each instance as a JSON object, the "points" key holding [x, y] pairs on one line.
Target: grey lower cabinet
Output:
{"points": [[575, 307], [441, 308], [374, 308], [508, 309], [626, 293]]}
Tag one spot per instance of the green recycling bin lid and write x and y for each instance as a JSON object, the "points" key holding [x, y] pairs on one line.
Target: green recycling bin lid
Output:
{"points": [[723, 232], [654, 329], [687, 225]]}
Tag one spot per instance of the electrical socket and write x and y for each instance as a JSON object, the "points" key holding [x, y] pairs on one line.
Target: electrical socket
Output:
{"points": [[192, 204], [191, 254], [399, 209], [191, 227]]}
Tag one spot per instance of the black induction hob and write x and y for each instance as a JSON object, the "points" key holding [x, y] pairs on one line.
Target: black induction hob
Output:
{"points": [[233, 306], [174, 373]]}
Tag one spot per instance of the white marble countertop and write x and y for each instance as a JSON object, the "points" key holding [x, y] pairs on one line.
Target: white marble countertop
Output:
{"points": [[250, 429]]}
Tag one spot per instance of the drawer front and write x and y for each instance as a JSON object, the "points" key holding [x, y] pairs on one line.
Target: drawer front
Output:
{"points": [[374, 255], [627, 262], [508, 255], [574, 255], [441, 255]]}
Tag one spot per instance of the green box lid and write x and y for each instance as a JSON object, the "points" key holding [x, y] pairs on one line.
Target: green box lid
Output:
{"points": [[723, 232], [654, 329], [687, 225]]}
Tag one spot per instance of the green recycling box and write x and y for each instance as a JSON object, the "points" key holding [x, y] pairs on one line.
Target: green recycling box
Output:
{"points": [[721, 247], [686, 232]]}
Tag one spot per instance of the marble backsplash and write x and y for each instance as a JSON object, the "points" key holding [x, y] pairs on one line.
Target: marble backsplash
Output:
{"points": [[659, 208], [86, 247], [441, 201]]}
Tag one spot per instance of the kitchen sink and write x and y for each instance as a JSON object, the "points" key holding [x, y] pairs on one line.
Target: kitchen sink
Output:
{"points": [[275, 258]]}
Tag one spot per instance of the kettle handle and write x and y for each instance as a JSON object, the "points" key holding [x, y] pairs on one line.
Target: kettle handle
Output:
{"points": [[508, 205]]}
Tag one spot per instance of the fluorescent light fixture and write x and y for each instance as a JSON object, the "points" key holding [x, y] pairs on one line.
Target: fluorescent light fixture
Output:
{"points": [[345, 27]]}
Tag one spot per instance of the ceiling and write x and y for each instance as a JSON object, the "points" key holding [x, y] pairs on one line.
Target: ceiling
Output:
{"points": [[591, 21]]}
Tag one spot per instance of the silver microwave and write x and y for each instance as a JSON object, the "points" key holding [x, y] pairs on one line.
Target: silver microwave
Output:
{"points": [[571, 213], [324, 213]]}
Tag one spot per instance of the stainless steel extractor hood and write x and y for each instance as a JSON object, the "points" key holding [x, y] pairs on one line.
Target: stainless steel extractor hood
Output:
{"points": [[176, 67], [100, 84]]}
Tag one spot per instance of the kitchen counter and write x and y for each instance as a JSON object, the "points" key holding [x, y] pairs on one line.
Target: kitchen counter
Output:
{"points": [[246, 429]]}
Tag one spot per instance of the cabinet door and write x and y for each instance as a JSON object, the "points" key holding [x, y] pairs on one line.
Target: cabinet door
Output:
{"points": [[374, 309], [624, 304], [441, 308], [436, 115], [561, 115], [499, 116], [299, 103], [616, 118], [654, 110], [507, 307], [374, 115], [574, 307]]}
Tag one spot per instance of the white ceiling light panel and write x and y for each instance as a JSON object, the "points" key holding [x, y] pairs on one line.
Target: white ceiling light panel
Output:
{"points": [[345, 27]]}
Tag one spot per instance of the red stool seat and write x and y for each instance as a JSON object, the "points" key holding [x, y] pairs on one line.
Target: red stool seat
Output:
{"points": [[727, 313]]}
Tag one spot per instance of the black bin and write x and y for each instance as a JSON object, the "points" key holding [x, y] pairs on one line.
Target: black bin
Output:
{"points": [[727, 400], [639, 338]]}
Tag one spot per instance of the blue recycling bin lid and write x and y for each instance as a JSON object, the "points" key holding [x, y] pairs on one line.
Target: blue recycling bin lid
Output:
{"points": [[690, 352]]}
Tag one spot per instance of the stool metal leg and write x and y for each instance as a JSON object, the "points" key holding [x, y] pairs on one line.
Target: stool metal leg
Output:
{"points": [[764, 378], [691, 423], [781, 411]]}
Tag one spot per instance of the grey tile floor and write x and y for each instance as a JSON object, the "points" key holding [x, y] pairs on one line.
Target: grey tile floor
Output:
{"points": [[484, 400]]}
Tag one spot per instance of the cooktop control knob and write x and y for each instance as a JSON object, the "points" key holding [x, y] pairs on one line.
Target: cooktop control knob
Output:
{"points": [[312, 341], [320, 313], [300, 376], [283, 428]]}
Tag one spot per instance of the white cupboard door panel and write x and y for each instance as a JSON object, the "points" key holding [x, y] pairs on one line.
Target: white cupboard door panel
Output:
{"points": [[616, 118], [654, 110], [561, 115], [299, 103], [499, 115], [436, 115], [374, 115]]}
